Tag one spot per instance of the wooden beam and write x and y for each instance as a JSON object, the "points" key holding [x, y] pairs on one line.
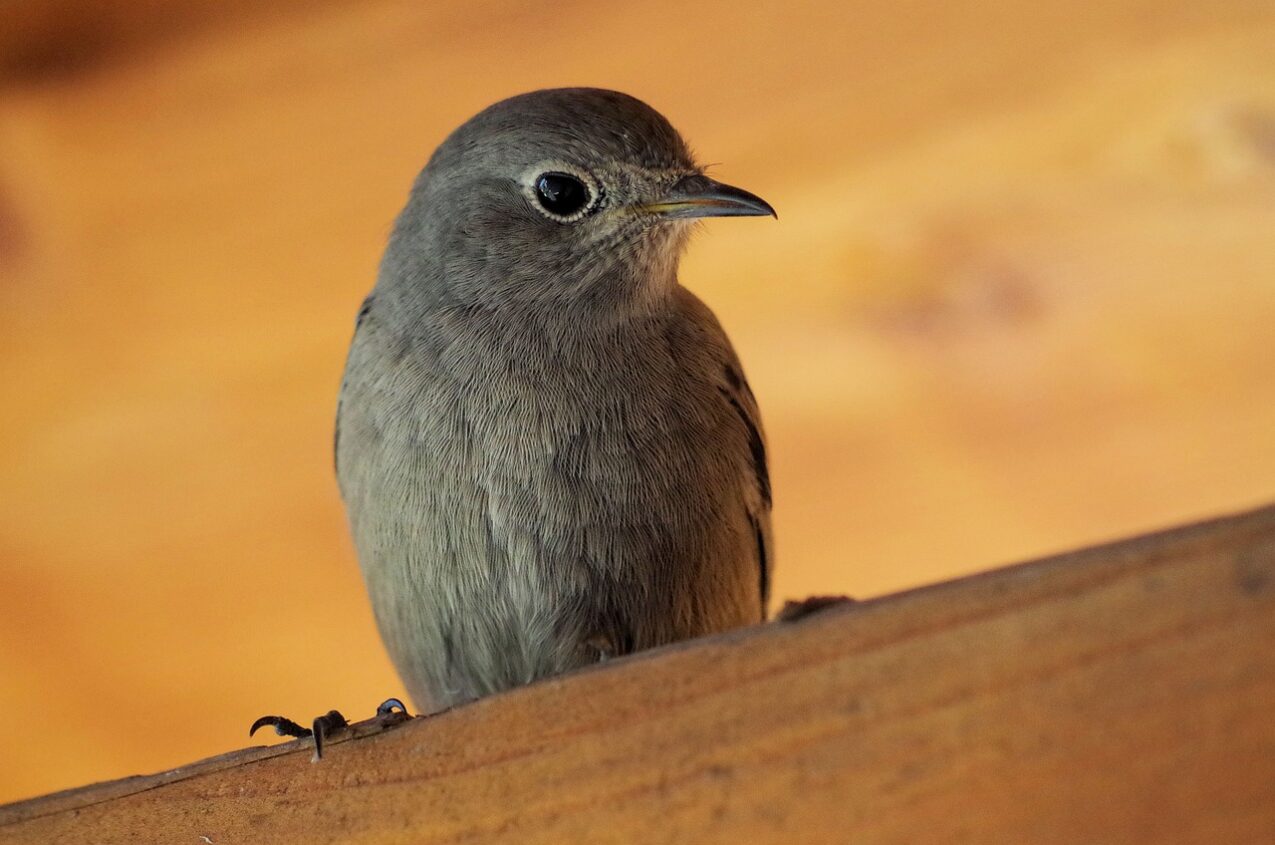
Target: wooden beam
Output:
{"points": [[1118, 694]]}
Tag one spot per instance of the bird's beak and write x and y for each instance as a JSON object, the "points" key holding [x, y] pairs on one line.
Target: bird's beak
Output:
{"points": [[699, 196]]}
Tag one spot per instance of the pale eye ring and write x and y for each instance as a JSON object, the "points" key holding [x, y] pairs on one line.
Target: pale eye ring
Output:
{"points": [[563, 194]]}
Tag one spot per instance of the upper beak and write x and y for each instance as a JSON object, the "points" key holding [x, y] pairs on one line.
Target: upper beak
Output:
{"points": [[699, 196]]}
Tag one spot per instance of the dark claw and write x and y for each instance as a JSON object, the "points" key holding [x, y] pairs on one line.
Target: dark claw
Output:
{"points": [[391, 712], [389, 706], [325, 726], [321, 728], [281, 725]]}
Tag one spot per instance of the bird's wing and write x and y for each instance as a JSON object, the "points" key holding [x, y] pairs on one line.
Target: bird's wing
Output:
{"points": [[735, 392], [744, 403]]}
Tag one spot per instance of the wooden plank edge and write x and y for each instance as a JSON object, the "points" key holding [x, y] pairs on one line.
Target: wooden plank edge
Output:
{"points": [[1082, 569]]}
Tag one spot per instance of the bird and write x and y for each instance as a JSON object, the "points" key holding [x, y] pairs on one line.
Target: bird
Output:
{"points": [[547, 448]]}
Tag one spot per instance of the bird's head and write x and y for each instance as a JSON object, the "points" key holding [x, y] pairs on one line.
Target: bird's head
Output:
{"points": [[559, 196]]}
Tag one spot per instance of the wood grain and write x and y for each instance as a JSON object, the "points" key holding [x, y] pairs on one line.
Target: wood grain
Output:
{"points": [[1121, 694]]}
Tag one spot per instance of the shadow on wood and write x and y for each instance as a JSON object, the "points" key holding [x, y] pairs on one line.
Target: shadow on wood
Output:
{"points": [[1117, 694]]}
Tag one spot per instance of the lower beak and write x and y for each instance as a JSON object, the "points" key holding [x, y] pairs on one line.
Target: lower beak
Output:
{"points": [[699, 196]]}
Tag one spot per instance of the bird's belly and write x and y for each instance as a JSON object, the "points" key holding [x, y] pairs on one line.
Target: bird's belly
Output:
{"points": [[522, 542]]}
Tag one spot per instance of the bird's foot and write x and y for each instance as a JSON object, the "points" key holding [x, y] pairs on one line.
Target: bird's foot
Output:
{"points": [[333, 724], [794, 610]]}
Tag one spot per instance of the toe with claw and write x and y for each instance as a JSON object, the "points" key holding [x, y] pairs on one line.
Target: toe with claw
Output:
{"points": [[321, 728], [391, 711]]}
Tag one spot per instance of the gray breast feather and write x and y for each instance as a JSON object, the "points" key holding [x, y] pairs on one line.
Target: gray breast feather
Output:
{"points": [[520, 511]]}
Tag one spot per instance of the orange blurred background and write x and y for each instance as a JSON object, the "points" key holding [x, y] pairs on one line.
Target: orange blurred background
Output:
{"points": [[1020, 298]]}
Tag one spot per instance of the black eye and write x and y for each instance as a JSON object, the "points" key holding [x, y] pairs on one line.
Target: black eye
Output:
{"points": [[561, 194]]}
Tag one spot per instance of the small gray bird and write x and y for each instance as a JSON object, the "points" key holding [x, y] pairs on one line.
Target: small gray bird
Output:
{"points": [[546, 445]]}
